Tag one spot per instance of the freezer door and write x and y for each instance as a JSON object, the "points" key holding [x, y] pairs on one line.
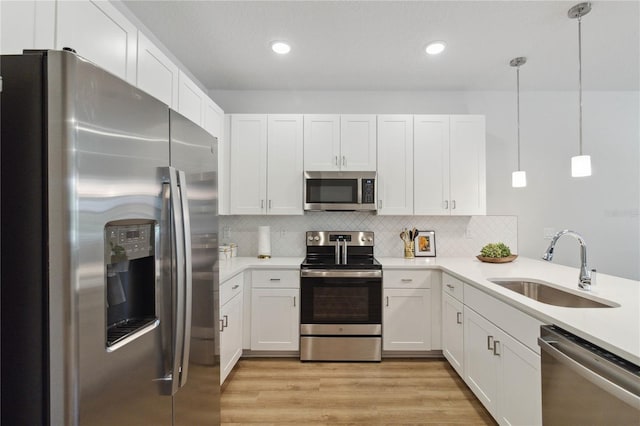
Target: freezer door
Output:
{"points": [[108, 145], [194, 153]]}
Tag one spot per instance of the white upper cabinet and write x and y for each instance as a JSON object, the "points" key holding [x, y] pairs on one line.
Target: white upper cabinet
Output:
{"points": [[157, 74], [395, 165], [449, 165], [358, 142], [431, 164], [468, 172], [248, 163], [213, 121], [266, 164], [339, 142], [26, 25], [191, 99], [96, 30], [322, 142], [284, 164]]}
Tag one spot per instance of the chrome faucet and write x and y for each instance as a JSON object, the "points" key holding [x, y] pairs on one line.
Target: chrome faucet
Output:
{"points": [[585, 274]]}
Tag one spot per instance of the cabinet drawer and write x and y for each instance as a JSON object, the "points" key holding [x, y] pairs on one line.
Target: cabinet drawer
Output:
{"points": [[453, 286], [516, 323], [406, 279], [231, 287], [275, 278]]}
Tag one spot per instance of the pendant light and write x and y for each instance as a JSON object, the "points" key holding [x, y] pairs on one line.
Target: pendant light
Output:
{"points": [[519, 177], [580, 164]]}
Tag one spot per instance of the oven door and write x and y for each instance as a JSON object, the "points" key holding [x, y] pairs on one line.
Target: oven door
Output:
{"points": [[341, 302]]}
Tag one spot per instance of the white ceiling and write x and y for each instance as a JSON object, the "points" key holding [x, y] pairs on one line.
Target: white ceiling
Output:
{"points": [[379, 45]]}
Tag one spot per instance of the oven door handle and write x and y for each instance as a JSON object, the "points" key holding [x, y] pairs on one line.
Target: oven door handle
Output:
{"points": [[324, 273]]}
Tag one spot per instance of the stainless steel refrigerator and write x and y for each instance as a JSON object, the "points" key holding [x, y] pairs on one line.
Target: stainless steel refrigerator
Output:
{"points": [[108, 251]]}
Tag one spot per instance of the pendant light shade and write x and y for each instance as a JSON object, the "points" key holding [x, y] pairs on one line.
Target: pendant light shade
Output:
{"points": [[580, 164], [519, 177]]}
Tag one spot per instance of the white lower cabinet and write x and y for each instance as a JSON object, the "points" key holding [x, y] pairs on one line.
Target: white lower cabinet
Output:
{"points": [[453, 332], [406, 314], [231, 313], [407, 319], [275, 310], [503, 373]]}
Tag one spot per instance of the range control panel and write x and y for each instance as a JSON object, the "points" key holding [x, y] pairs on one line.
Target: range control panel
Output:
{"points": [[126, 242]]}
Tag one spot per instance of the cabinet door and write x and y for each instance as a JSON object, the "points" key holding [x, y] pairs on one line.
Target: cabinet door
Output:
{"points": [[431, 165], [284, 164], [468, 165], [213, 120], [275, 319], [321, 142], [407, 319], [520, 400], [395, 165], [191, 99], [248, 174], [26, 24], [230, 335], [480, 363], [157, 74], [453, 332], [358, 142], [100, 33]]}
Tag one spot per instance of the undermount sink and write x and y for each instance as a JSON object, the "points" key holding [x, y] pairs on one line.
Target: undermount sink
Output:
{"points": [[550, 295]]}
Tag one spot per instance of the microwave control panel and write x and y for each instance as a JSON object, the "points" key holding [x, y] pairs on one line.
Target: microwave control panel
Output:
{"points": [[368, 191]]}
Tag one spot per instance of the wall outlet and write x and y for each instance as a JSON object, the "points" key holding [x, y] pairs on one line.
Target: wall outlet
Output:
{"points": [[548, 233], [226, 233], [469, 232]]}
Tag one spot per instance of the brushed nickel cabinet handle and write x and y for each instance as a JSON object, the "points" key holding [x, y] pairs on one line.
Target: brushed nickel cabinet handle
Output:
{"points": [[226, 321], [387, 301], [407, 280], [235, 286], [274, 279], [294, 301], [450, 286], [490, 343], [221, 325], [446, 204], [453, 204], [459, 317], [496, 347]]}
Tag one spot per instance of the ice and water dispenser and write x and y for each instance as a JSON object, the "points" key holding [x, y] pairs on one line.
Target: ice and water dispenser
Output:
{"points": [[130, 299]]}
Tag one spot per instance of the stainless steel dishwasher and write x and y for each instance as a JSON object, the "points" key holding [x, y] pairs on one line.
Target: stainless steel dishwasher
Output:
{"points": [[583, 384]]}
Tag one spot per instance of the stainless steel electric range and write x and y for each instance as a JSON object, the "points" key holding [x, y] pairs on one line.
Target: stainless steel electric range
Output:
{"points": [[341, 298]]}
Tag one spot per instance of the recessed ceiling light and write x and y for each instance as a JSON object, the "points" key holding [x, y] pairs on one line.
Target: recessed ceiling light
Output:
{"points": [[436, 47], [280, 47]]}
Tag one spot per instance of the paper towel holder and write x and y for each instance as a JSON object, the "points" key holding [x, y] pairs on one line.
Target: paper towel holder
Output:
{"points": [[264, 242]]}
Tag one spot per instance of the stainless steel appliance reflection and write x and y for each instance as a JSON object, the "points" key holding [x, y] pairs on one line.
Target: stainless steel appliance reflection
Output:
{"points": [[109, 251], [585, 384], [341, 298]]}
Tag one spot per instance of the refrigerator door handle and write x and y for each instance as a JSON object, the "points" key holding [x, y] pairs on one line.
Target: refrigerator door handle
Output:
{"points": [[188, 279], [179, 264]]}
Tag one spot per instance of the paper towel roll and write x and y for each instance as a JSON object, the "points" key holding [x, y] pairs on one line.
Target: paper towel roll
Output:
{"points": [[264, 241]]}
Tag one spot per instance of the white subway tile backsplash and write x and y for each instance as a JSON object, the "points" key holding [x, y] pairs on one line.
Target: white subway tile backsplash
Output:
{"points": [[452, 238]]}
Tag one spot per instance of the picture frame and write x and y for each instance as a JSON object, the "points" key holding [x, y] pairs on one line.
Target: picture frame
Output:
{"points": [[425, 244]]}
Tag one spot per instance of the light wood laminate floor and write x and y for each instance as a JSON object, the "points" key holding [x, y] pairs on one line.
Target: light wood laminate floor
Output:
{"points": [[397, 391]]}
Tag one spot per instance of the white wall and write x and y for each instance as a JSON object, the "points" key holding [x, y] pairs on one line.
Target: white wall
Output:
{"points": [[604, 208]]}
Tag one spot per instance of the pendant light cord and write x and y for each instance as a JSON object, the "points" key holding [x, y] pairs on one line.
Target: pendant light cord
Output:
{"points": [[518, 109], [580, 76]]}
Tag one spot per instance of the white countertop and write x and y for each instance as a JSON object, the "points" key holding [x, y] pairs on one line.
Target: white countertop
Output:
{"points": [[615, 329], [235, 265]]}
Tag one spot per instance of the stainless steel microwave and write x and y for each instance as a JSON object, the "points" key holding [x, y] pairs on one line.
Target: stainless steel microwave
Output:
{"points": [[340, 191]]}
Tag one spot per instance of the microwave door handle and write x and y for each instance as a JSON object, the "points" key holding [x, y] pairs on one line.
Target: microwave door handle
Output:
{"points": [[188, 279]]}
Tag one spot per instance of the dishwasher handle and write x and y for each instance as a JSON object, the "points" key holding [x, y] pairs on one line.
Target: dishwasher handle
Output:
{"points": [[551, 348]]}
